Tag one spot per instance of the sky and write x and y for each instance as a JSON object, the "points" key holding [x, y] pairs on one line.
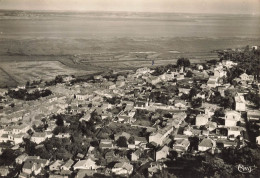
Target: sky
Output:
{"points": [[186, 6]]}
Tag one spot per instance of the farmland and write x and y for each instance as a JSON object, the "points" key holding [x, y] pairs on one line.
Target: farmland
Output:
{"points": [[20, 72]]}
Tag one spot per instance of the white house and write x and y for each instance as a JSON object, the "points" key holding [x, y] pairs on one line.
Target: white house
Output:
{"points": [[240, 104], [234, 131], [85, 164], [219, 73], [202, 119], [67, 165], [181, 145], [136, 155], [258, 140], [232, 115], [159, 136], [122, 168], [38, 137], [143, 70], [244, 77], [162, 153], [55, 166], [20, 159], [206, 144]]}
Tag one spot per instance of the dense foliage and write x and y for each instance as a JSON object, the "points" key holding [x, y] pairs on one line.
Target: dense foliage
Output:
{"points": [[22, 94]]}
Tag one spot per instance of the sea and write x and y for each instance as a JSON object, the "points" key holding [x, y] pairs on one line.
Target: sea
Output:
{"points": [[105, 25]]}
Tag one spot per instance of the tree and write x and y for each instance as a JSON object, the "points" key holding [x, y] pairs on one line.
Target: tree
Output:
{"points": [[228, 102], [27, 84], [131, 140], [219, 112], [196, 102], [183, 62], [189, 74], [122, 142], [8, 157], [193, 92], [194, 143], [173, 155], [59, 121]]}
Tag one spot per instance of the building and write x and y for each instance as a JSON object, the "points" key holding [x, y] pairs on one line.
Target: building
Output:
{"points": [[206, 144], [4, 171], [201, 119], [240, 104], [232, 115], [245, 77], [106, 144], [122, 168], [56, 165], [34, 164], [235, 131], [253, 115], [258, 140], [85, 164], [136, 155], [161, 134], [162, 153], [181, 145], [180, 104], [20, 159], [219, 73], [38, 137], [67, 165]]}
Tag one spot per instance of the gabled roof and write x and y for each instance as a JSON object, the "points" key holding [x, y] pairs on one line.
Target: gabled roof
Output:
{"points": [[138, 152], [207, 142], [39, 134], [68, 163], [140, 139], [124, 165]]}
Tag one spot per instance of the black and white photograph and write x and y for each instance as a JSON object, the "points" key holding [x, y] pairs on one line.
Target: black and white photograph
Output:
{"points": [[130, 88]]}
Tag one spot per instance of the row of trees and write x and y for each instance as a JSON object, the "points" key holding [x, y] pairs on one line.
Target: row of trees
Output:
{"points": [[181, 62], [22, 94]]}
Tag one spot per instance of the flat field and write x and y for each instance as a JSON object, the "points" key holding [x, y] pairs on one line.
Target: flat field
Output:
{"points": [[23, 71]]}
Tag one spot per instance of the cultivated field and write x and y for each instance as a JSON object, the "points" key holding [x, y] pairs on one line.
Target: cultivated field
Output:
{"points": [[23, 71]]}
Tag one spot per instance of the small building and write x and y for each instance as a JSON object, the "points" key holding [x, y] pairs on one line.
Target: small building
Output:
{"points": [[20, 159], [206, 144], [240, 104], [162, 153], [122, 168], [235, 131], [136, 155], [253, 115], [258, 140], [56, 165], [180, 104], [122, 134], [201, 119], [106, 144], [38, 137], [181, 145], [159, 136], [4, 171], [67, 165], [85, 164], [232, 115]]}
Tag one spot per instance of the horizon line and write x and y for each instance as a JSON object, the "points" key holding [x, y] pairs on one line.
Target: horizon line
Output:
{"points": [[118, 11]]}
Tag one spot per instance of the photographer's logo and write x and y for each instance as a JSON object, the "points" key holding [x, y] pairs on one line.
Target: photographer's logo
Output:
{"points": [[245, 169]]}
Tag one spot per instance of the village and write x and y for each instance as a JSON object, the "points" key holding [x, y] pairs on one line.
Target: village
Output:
{"points": [[127, 123]]}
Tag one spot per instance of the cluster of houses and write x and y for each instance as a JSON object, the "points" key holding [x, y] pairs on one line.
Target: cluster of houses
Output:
{"points": [[165, 134]]}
